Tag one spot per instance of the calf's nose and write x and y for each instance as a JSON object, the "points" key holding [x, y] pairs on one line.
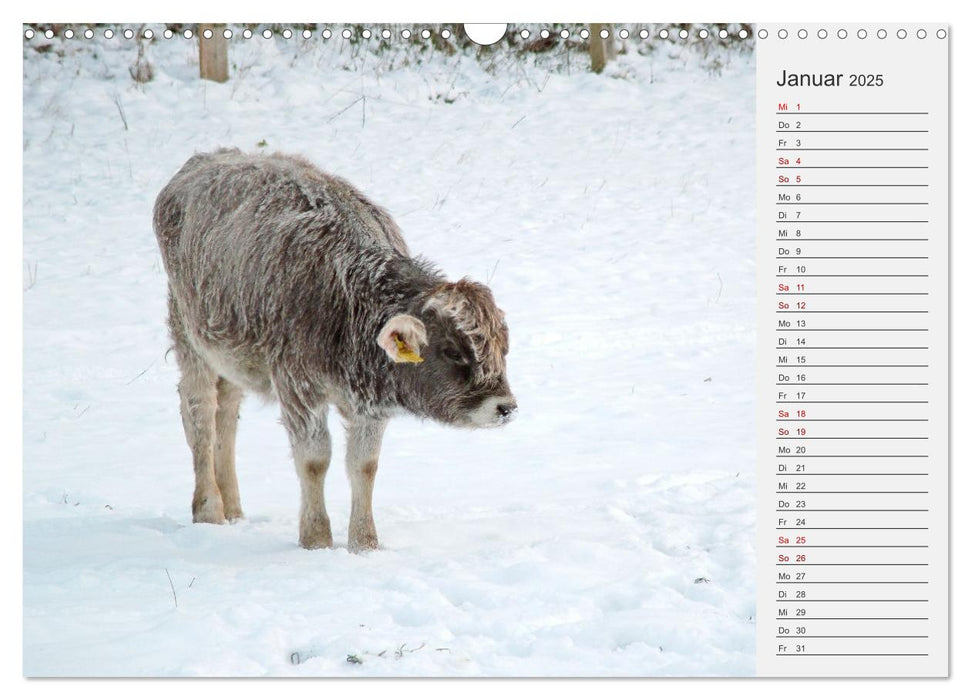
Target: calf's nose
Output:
{"points": [[505, 410]]}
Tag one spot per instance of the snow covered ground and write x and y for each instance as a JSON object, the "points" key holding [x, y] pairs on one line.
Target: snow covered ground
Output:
{"points": [[608, 531]]}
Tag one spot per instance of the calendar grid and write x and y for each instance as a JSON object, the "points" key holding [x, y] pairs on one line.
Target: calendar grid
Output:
{"points": [[852, 229]]}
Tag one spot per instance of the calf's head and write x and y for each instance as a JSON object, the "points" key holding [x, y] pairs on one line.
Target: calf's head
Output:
{"points": [[455, 343]]}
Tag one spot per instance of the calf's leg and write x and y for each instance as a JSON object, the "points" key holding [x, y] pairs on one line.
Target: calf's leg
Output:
{"points": [[229, 396], [363, 447], [311, 453], [197, 391], [198, 401]]}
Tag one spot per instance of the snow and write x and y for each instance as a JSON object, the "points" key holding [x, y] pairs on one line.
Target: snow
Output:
{"points": [[609, 531]]}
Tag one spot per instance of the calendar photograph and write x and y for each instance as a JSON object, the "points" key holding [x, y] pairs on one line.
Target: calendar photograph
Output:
{"points": [[356, 350]]}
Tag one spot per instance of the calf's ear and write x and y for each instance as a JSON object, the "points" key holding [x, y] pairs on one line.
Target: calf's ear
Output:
{"points": [[402, 337]]}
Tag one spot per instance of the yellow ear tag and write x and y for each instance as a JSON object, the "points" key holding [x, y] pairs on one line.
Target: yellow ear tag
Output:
{"points": [[406, 354]]}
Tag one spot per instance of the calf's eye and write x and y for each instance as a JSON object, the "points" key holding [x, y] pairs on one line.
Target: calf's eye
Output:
{"points": [[453, 355]]}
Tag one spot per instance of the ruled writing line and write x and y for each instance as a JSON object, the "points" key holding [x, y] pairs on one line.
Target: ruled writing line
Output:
{"points": [[852, 167], [801, 492], [850, 257], [851, 221], [851, 636], [846, 401], [851, 384], [800, 239], [854, 618], [855, 204], [800, 113], [844, 184], [855, 311], [852, 149], [793, 274]]}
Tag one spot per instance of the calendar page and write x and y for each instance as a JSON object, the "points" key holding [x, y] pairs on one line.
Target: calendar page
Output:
{"points": [[486, 350], [853, 349]]}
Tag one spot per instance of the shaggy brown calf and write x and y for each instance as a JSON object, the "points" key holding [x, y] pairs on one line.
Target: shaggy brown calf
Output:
{"points": [[288, 282]]}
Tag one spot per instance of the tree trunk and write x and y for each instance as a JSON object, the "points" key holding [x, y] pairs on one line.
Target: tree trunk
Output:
{"points": [[213, 54]]}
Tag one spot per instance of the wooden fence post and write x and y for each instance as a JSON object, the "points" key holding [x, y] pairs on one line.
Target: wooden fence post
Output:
{"points": [[213, 53], [598, 49]]}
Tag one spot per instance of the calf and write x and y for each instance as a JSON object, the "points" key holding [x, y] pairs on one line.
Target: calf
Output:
{"points": [[290, 283]]}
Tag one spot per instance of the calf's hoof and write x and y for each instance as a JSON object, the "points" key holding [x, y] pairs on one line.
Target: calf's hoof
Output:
{"points": [[315, 533], [365, 546], [362, 540], [208, 510], [234, 513]]}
